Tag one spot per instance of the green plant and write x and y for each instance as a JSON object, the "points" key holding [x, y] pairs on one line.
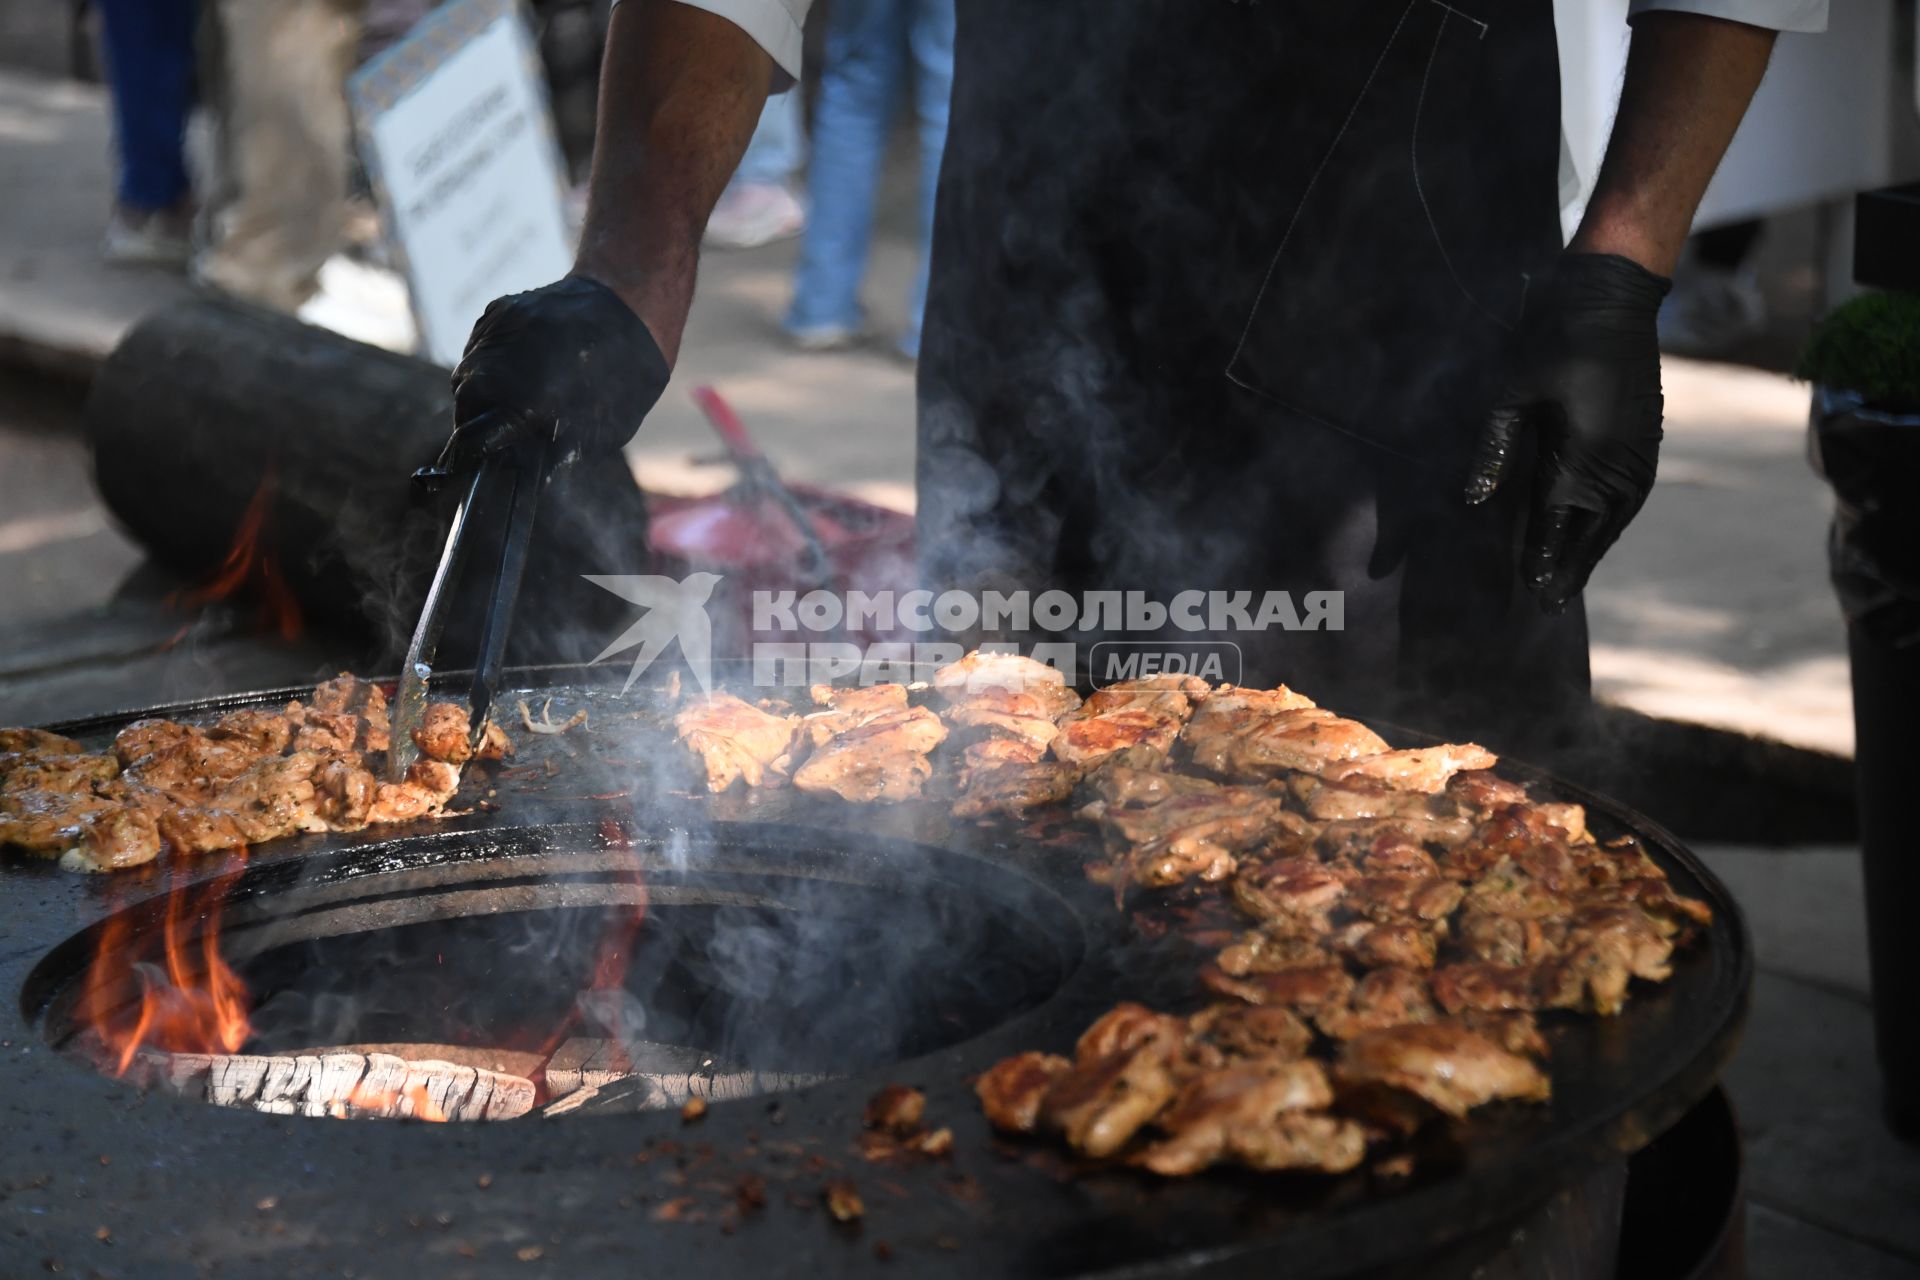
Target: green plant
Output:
{"points": [[1870, 345]]}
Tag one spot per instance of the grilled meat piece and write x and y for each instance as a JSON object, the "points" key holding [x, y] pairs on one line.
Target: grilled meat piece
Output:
{"points": [[35, 742], [991, 753], [188, 826], [896, 1109], [736, 740], [1223, 1034], [1490, 988], [1308, 739], [1483, 793], [1515, 1032], [1099, 1105], [1011, 1090], [1270, 950], [1570, 819], [1508, 889], [1605, 947], [1384, 998], [113, 840], [47, 823], [423, 793], [1296, 891], [181, 759], [444, 735], [1262, 1115], [1130, 713], [1228, 714], [1124, 1027], [268, 732], [1305, 989], [1445, 1065], [347, 694], [1656, 897], [884, 758], [1401, 898], [1357, 838], [1116, 784], [1423, 769], [984, 669], [1357, 799], [1230, 708], [847, 708], [1195, 835], [1402, 944], [344, 793], [1029, 714], [72, 774], [1506, 940], [274, 798], [1014, 788], [338, 732]]}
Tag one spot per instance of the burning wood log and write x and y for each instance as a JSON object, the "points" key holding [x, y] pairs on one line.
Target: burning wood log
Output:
{"points": [[605, 1076], [304, 440], [343, 1085]]}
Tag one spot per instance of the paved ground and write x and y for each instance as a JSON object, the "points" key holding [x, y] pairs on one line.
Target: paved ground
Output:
{"points": [[1713, 608]]}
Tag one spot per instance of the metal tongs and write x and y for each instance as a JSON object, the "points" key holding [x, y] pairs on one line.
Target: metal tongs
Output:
{"points": [[515, 476]]}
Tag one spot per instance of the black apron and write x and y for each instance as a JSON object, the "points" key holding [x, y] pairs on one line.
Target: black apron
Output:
{"points": [[1219, 294]]}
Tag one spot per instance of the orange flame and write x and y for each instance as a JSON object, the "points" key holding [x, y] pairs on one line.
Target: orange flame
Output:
{"points": [[249, 563], [189, 999]]}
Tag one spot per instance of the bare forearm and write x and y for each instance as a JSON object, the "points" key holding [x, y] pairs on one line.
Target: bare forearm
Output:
{"points": [[1689, 80], [680, 93]]}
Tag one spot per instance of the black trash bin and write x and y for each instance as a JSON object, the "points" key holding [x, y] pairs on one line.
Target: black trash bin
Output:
{"points": [[1871, 457]]}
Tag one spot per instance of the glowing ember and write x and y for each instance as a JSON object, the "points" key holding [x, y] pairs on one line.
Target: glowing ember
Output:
{"points": [[410, 1100], [189, 1000]]}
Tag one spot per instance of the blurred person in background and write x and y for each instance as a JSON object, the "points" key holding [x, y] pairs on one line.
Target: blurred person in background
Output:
{"points": [[759, 207], [873, 49], [149, 48], [286, 146]]}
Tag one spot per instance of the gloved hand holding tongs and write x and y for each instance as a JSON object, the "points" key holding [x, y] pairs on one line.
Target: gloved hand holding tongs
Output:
{"points": [[549, 377]]}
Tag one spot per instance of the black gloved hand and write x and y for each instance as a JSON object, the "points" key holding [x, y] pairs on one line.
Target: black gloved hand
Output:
{"points": [[569, 364], [1587, 385]]}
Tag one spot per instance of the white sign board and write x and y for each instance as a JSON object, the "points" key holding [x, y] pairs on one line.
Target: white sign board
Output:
{"points": [[456, 134]]}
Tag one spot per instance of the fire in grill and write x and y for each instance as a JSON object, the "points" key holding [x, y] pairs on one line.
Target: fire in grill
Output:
{"points": [[469, 979]]}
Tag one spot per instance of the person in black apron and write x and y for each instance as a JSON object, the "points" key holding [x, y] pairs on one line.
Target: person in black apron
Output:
{"points": [[1221, 295]]}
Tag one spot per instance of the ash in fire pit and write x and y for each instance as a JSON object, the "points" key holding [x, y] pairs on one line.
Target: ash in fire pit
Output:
{"points": [[489, 977]]}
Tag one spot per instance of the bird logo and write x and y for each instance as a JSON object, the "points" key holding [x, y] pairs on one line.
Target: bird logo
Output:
{"points": [[674, 611]]}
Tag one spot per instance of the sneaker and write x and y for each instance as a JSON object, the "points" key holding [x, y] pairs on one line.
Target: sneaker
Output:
{"points": [[1712, 313], [752, 214], [825, 337], [149, 237]]}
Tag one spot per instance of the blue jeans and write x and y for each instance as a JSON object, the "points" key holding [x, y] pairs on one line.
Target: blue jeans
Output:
{"points": [[872, 48], [778, 145], [149, 54]]}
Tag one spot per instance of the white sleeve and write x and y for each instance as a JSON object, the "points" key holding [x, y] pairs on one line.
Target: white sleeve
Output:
{"points": [[774, 25], [1779, 15]]}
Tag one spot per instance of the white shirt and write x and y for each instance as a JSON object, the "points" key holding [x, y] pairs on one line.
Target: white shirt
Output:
{"points": [[1777, 15], [775, 24]]}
